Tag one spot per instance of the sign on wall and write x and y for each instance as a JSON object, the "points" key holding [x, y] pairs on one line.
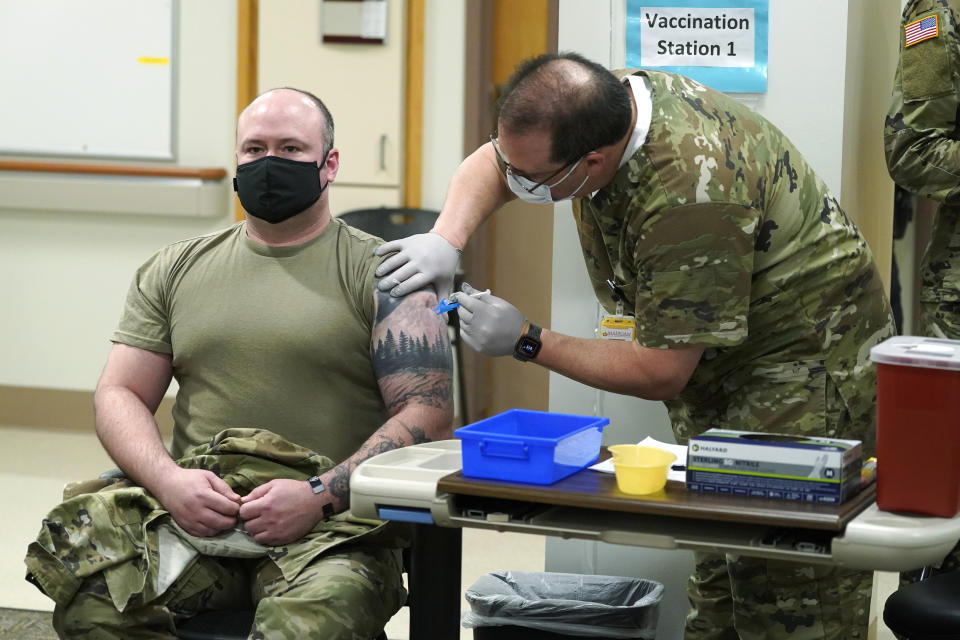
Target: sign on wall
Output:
{"points": [[721, 43]]}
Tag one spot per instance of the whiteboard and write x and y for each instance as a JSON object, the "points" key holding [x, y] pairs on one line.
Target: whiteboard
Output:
{"points": [[87, 78]]}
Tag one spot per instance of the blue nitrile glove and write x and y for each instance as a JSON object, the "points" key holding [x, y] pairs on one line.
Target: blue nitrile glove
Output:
{"points": [[488, 324], [417, 261]]}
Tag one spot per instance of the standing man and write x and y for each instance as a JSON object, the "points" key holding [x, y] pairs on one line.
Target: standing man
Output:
{"points": [[292, 369], [922, 145], [755, 298]]}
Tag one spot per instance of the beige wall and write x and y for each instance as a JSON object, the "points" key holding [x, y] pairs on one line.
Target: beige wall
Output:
{"points": [[867, 191], [443, 97]]}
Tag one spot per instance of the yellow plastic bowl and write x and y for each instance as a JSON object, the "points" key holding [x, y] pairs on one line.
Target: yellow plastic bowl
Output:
{"points": [[640, 470]]}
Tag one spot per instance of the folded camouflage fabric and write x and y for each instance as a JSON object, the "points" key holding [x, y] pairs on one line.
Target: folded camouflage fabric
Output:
{"points": [[124, 533]]}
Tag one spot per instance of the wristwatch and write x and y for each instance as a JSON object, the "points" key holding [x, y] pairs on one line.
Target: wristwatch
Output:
{"points": [[528, 345], [316, 485]]}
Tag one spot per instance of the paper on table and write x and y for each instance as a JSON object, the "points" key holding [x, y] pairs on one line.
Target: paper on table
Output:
{"points": [[678, 449]]}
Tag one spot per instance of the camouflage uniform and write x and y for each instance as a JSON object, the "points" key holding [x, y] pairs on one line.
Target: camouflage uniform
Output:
{"points": [[922, 145], [722, 237], [119, 567]]}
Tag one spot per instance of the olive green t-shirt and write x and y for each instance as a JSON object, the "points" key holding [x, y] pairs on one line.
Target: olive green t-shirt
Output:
{"points": [[276, 338]]}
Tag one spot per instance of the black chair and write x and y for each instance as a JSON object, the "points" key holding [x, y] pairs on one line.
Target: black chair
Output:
{"points": [[926, 610], [432, 564], [393, 223]]}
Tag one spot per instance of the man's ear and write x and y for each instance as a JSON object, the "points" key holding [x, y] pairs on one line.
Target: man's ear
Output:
{"points": [[332, 164], [596, 162]]}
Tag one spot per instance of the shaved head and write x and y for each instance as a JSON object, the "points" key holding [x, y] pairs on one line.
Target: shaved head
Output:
{"points": [[292, 101]]}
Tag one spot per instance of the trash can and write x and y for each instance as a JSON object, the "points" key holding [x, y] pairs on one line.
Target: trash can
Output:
{"points": [[516, 604]]}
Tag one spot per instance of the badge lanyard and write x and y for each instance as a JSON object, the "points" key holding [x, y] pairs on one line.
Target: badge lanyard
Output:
{"points": [[617, 326]]}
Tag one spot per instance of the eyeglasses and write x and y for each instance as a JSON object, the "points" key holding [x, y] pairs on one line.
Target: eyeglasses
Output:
{"points": [[526, 182]]}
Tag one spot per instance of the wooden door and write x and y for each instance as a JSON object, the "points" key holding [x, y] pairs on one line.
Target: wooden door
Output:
{"points": [[512, 252]]}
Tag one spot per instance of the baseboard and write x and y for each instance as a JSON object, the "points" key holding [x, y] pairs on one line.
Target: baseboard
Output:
{"points": [[60, 409]]}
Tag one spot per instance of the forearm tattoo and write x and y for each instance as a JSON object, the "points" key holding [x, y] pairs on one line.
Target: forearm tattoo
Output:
{"points": [[339, 486]]}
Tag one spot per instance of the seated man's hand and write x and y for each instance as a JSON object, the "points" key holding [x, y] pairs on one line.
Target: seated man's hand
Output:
{"points": [[200, 501], [280, 511]]}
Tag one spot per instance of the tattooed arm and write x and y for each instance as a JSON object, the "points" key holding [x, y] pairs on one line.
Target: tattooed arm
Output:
{"points": [[411, 358], [413, 365]]}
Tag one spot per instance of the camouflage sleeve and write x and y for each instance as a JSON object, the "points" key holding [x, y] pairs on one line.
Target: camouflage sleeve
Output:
{"points": [[920, 132], [694, 289]]}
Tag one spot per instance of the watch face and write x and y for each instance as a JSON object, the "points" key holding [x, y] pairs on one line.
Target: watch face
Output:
{"points": [[528, 346]]}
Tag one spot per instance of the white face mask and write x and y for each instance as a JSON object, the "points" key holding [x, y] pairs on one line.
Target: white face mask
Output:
{"points": [[529, 191]]}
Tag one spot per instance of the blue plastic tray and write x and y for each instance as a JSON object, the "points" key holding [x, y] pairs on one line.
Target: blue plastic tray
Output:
{"points": [[538, 447]]}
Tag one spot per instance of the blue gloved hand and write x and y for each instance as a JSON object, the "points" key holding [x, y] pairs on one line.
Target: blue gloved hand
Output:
{"points": [[417, 260], [488, 324]]}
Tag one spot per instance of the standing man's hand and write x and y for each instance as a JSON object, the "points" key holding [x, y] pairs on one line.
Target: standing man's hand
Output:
{"points": [[280, 511], [200, 501], [488, 324], [417, 261]]}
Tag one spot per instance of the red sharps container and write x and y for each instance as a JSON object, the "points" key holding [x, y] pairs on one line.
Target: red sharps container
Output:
{"points": [[918, 425]]}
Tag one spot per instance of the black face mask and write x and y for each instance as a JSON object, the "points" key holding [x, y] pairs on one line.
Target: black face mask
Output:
{"points": [[276, 189]]}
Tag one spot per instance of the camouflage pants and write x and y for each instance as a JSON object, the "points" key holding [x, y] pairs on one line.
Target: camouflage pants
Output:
{"points": [[737, 597], [349, 594]]}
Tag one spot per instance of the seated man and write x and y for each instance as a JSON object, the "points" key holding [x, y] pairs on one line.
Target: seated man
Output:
{"points": [[290, 364]]}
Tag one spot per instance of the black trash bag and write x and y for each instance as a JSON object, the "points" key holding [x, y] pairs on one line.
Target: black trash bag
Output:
{"points": [[565, 603]]}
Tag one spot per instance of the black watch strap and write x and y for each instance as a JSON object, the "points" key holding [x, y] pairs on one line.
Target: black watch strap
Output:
{"points": [[528, 345], [316, 484]]}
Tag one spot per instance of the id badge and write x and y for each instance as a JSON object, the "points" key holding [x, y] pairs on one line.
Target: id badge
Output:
{"points": [[618, 328]]}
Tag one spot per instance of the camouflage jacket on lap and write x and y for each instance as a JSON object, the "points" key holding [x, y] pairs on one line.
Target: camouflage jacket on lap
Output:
{"points": [[124, 532]]}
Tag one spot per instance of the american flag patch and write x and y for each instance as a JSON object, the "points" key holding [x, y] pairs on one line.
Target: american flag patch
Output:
{"points": [[922, 29]]}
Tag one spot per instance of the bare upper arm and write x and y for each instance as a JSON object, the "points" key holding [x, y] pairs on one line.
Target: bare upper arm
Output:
{"points": [[670, 368], [411, 353], [145, 373]]}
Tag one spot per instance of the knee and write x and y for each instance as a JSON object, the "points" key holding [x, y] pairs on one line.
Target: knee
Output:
{"points": [[335, 610], [345, 615], [92, 614], [349, 595], [71, 621], [90, 608]]}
